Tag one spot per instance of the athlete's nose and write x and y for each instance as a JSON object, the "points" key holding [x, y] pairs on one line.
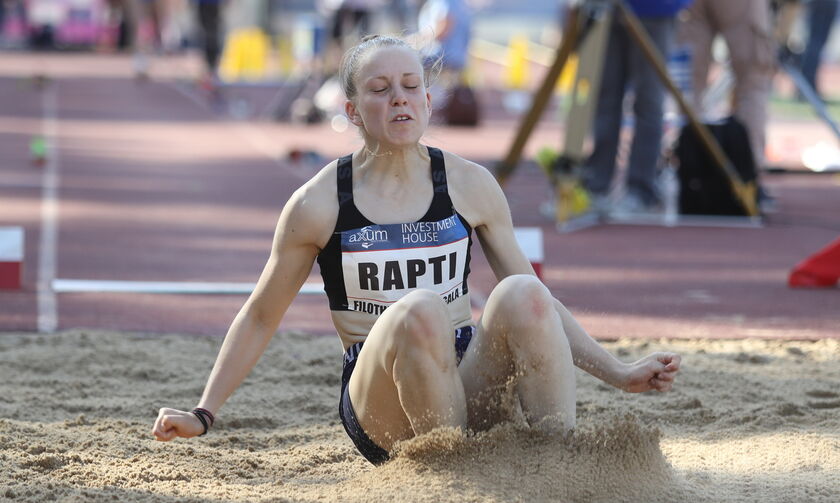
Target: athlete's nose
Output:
{"points": [[399, 97]]}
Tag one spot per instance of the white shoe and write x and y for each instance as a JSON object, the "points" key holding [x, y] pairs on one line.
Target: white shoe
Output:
{"points": [[600, 204], [632, 206]]}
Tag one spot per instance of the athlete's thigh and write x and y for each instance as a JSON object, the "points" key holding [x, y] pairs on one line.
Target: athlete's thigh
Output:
{"points": [[373, 393], [372, 390]]}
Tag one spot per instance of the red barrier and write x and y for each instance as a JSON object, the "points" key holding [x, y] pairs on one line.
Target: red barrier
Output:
{"points": [[11, 258]]}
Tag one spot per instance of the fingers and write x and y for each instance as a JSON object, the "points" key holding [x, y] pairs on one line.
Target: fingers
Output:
{"points": [[163, 430], [165, 435], [666, 376], [661, 385], [665, 368], [166, 425], [670, 360], [655, 371], [663, 381]]}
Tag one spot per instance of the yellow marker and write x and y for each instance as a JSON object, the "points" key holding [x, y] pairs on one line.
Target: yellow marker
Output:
{"points": [[245, 55], [517, 66], [567, 76], [580, 200]]}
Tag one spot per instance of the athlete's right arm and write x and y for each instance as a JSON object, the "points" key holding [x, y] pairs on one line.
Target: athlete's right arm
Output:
{"points": [[303, 227]]}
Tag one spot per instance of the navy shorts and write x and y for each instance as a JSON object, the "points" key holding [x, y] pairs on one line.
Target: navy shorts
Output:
{"points": [[372, 452]]}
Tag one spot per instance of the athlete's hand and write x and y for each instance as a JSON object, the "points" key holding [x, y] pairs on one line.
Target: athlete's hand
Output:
{"points": [[173, 423], [653, 372]]}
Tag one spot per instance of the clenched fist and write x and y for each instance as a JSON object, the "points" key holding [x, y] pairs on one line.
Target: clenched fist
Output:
{"points": [[173, 423]]}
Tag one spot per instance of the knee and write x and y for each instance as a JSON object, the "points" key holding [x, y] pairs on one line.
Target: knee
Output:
{"points": [[525, 301], [423, 322]]}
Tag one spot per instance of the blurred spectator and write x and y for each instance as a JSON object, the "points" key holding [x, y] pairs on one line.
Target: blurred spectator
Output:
{"points": [[349, 21], [451, 22], [444, 29], [209, 14], [144, 21], [404, 14], [821, 18], [626, 68], [746, 28]]}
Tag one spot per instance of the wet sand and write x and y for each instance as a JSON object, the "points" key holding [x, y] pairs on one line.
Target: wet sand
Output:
{"points": [[749, 420]]}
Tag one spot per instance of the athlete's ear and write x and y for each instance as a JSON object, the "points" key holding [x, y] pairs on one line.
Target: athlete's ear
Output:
{"points": [[429, 101], [353, 113]]}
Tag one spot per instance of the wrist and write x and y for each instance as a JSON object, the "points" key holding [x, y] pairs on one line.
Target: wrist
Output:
{"points": [[610, 370], [205, 417], [623, 383], [616, 373]]}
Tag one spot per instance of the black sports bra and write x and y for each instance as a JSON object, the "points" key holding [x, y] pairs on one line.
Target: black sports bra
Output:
{"points": [[367, 267]]}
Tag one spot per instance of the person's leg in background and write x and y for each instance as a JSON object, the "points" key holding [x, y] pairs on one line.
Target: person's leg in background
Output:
{"points": [[648, 110], [209, 17], [142, 22], [2, 21], [135, 16], [752, 52], [821, 18], [600, 167], [697, 31]]}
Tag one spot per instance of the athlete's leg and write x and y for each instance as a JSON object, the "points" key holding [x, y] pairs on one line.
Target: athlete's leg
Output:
{"points": [[406, 380], [520, 336]]}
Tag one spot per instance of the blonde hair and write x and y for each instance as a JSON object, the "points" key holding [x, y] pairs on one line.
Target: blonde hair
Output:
{"points": [[350, 62]]}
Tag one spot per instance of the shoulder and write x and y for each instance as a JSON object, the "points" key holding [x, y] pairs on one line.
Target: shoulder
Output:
{"points": [[467, 175], [312, 210], [474, 190]]}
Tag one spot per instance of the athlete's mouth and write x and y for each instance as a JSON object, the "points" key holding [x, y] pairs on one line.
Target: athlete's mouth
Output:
{"points": [[402, 118]]}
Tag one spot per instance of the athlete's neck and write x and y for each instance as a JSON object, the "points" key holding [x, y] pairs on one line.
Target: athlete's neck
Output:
{"points": [[392, 166]]}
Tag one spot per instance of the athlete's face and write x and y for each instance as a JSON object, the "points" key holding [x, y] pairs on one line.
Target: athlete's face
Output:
{"points": [[392, 104]]}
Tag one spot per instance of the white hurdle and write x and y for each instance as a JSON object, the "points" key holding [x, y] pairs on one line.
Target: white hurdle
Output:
{"points": [[530, 239]]}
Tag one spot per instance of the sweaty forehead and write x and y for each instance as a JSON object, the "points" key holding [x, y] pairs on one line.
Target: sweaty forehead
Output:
{"points": [[389, 62]]}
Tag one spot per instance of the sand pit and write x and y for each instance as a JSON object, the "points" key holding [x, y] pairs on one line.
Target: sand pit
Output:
{"points": [[748, 421]]}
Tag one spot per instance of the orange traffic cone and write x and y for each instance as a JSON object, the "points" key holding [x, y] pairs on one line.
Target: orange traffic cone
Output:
{"points": [[821, 269]]}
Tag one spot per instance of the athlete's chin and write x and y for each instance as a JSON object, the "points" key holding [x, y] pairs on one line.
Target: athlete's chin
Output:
{"points": [[403, 141]]}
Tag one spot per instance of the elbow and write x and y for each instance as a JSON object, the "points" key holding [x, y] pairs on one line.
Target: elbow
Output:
{"points": [[257, 319]]}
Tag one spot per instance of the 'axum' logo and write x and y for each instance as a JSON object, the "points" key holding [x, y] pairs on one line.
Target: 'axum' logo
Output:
{"points": [[367, 237]]}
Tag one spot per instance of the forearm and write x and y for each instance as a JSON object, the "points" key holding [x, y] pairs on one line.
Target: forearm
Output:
{"points": [[244, 343], [587, 354]]}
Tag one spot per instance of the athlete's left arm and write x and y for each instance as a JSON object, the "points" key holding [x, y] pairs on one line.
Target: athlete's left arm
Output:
{"points": [[489, 213]]}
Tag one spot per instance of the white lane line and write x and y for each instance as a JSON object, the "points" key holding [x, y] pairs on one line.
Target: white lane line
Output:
{"points": [[173, 287], [47, 251]]}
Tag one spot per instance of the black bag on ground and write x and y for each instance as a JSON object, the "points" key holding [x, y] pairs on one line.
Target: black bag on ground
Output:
{"points": [[704, 188], [461, 109]]}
